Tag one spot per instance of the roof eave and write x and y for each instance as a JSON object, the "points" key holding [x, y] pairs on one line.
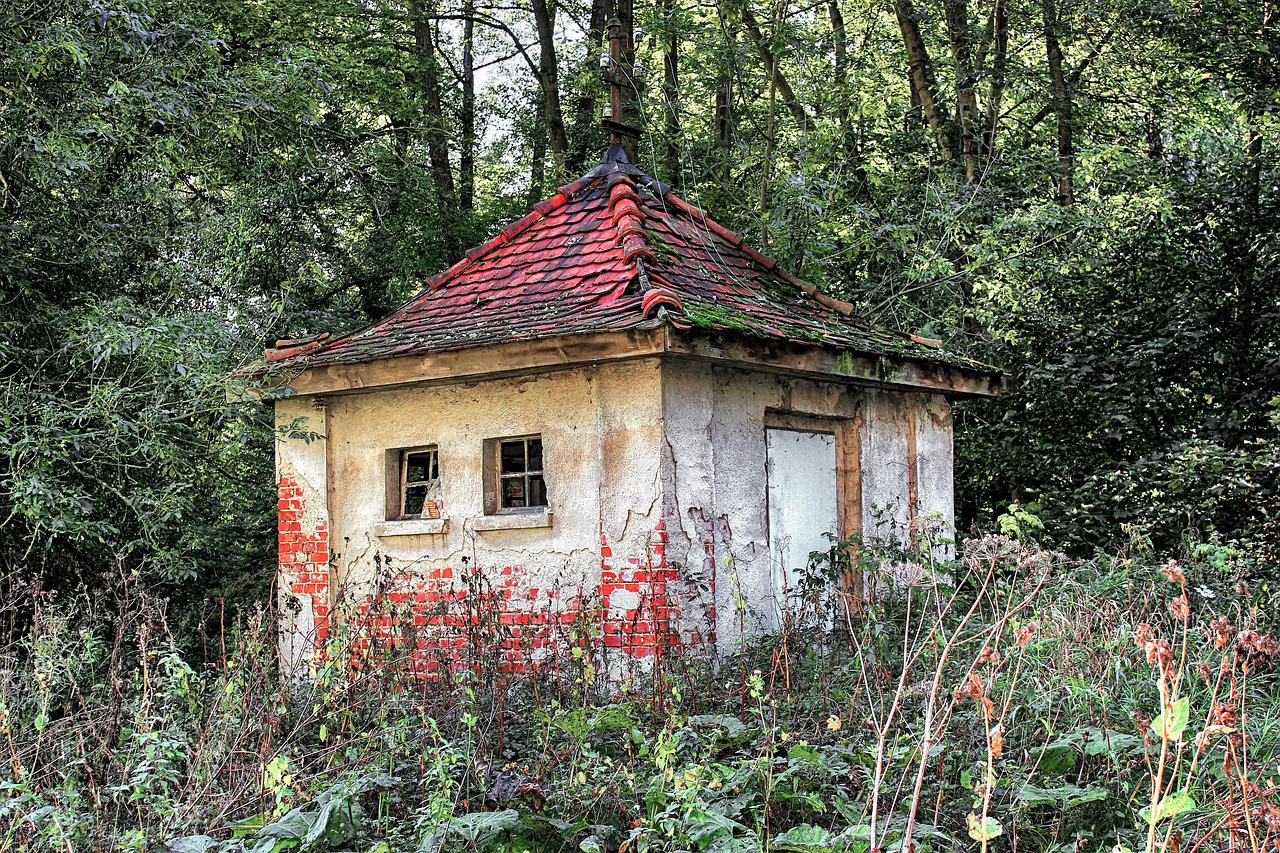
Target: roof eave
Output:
{"points": [[495, 361], [490, 361], [833, 364]]}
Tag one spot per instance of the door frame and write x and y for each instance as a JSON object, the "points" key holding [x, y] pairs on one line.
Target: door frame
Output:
{"points": [[848, 434]]}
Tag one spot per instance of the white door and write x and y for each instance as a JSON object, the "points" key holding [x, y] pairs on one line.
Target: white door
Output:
{"points": [[802, 503]]}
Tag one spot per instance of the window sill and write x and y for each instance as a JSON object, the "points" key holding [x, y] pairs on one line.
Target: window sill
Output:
{"points": [[519, 520], [411, 527]]}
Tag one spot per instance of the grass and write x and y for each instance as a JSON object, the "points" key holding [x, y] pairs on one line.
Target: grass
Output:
{"points": [[1011, 700]]}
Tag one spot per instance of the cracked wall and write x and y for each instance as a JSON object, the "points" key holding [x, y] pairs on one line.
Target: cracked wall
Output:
{"points": [[717, 506], [658, 531], [599, 556]]}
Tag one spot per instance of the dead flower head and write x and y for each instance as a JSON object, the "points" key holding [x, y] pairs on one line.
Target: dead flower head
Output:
{"points": [[1223, 715], [1222, 632], [1142, 635], [1179, 607], [1023, 635], [996, 741], [972, 686], [1270, 815], [988, 655], [1159, 653], [1142, 721], [1171, 571]]}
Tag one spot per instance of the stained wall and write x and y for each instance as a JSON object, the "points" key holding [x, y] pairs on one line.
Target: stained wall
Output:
{"points": [[658, 529], [718, 521]]}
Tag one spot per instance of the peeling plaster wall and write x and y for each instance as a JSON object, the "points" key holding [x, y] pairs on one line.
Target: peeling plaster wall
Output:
{"points": [[935, 464], [655, 472], [303, 522], [601, 429], [717, 506]]}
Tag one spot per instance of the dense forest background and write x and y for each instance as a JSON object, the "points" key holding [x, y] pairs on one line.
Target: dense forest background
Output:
{"points": [[1082, 191]]}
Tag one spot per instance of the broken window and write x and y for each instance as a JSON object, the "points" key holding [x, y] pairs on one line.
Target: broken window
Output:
{"points": [[519, 482], [420, 483]]}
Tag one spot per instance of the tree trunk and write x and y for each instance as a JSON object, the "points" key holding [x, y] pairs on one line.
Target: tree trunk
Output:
{"points": [[538, 144], [840, 48], [671, 90], [1061, 105], [585, 110], [467, 160], [1267, 73], [915, 113], [957, 18], [924, 81], [768, 156], [544, 16], [999, 68], [724, 131], [433, 120], [777, 78]]}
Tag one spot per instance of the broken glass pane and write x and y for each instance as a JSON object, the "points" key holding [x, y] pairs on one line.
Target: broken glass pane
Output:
{"points": [[414, 498], [513, 492], [420, 466], [537, 490], [513, 457]]}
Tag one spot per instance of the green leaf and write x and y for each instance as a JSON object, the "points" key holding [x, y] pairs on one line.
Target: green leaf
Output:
{"points": [[1060, 796], [728, 722], [1170, 807], [804, 838], [336, 822], [710, 825], [192, 844], [476, 829], [1173, 720], [984, 828], [1100, 742]]}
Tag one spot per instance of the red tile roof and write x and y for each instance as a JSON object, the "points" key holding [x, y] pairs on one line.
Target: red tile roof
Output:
{"points": [[611, 251]]}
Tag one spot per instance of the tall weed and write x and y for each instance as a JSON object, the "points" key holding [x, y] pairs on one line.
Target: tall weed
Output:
{"points": [[1010, 699]]}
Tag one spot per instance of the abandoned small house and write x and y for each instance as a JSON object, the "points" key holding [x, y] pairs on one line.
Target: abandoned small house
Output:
{"points": [[615, 426], [613, 411]]}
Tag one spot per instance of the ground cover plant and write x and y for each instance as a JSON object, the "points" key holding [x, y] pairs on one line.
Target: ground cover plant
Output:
{"points": [[1014, 699]]}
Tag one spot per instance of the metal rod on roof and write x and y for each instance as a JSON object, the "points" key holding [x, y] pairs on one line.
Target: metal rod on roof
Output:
{"points": [[615, 77], [624, 90]]}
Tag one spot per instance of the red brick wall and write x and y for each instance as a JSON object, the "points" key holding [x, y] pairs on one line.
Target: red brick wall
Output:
{"points": [[448, 618], [304, 556]]}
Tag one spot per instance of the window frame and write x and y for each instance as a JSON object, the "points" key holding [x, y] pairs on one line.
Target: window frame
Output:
{"points": [[397, 465], [494, 478]]}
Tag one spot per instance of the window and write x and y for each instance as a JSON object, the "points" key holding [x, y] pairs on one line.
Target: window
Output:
{"points": [[521, 473], [419, 492], [513, 474]]}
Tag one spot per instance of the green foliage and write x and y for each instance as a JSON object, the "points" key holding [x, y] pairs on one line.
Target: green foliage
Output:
{"points": [[182, 181], [125, 746]]}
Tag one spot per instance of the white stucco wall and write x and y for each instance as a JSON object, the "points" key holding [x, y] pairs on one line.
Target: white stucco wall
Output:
{"points": [[591, 420], [718, 503], [601, 430], [626, 445]]}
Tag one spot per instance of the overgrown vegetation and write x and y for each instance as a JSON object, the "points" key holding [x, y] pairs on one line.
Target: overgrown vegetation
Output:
{"points": [[1016, 699], [1084, 193]]}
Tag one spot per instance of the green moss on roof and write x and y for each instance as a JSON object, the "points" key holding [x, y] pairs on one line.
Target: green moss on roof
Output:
{"points": [[707, 316]]}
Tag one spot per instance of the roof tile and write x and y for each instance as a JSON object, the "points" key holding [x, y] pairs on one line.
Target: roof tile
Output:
{"points": [[566, 268]]}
